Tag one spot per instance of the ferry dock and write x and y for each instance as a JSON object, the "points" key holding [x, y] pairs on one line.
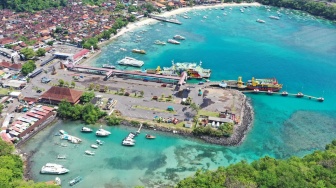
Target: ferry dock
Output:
{"points": [[164, 19], [297, 95]]}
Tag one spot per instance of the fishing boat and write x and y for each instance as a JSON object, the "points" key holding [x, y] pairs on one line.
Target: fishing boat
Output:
{"points": [[88, 152], [75, 180], [108, 66], [300, 95], [260, 21], [274, 17], [99, 142], [269, 92], [52, 168], [320, 99], [61, 156], [264, 84], [86, 130], [148, 136], [127, 143], [139, 51], [74, 139], [179, 37], [94, 146], [102, 132], [158, 42], [129, 61], [284, 93], [172, 41]]}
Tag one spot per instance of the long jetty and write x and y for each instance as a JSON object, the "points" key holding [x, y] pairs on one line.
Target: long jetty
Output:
{"points": [[320, 99], [164, 19]]}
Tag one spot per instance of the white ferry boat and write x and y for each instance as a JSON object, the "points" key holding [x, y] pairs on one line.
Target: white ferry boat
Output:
{"points": [[179, 37], [102, 132], [51, 168], [193, 70], [129, 61], [172, 41], [107, 66]]}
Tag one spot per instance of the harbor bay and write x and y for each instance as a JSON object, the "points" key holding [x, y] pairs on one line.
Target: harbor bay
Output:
{"points": [[298, 49]]}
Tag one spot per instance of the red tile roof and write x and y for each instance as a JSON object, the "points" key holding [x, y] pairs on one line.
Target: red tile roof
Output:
{"points": [[62, 93], [80, 54]]}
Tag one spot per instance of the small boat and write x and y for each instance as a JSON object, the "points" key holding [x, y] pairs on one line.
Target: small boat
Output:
{"points": [[179, 37], [132, 135], [94, 146], [284, 93], [269, 92], [52, 168], [99, 142], [129, 139], [200, 83], [299, 95], [148, 136], [127, 143], [260, 21], [320, 99], [139, 51], [88, 152], [108, 66], [63, 132], [75, 180], [159, 42], [122, 49], [274, 17], [61, 156], [172, 41], [86, 130], [256, 91], [102, 132], [74, 139]]}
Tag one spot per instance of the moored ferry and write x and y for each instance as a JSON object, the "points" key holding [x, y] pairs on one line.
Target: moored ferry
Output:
{"points": [[194, 70], [267, 84]]}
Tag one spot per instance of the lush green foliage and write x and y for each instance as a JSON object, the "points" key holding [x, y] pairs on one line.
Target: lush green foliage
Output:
{"points": [[28, 52], [41, 52], [88, 113], [31, 5], [113, 120], [314, 170], [87, 97], [223, 130], [11, 170], [318, 8], [28, 67]]}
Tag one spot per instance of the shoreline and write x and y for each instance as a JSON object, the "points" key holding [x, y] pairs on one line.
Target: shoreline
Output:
{"points": [[149, 21]]}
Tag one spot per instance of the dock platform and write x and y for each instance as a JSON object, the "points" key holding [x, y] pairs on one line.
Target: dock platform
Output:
{"points": [[164, 19], [320, 99]]}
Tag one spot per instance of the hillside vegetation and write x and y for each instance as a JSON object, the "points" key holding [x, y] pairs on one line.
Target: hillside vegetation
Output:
{"points": [[31, 5], [11, 170], [314, 170]]}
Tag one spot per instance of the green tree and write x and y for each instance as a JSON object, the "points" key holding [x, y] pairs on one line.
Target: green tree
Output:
{"points": [[113, 120], [142, 93], [28, 67], [61, 82], [41, 52], [87, 96], [50, 43], [28, 53], [73, 84], [91, 86]]}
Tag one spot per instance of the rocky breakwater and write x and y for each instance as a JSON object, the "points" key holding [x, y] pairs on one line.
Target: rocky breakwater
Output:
{"points": [[240, 129]]}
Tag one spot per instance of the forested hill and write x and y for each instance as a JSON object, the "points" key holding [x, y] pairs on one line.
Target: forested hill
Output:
{"points": [[31, 5], [314, 170]]}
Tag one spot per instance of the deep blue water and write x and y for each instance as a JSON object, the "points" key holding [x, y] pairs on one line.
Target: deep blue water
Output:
{"points": [[299, 50]]}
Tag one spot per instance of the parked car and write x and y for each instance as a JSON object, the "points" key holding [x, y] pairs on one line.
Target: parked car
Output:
{"points": [[39, 91]]}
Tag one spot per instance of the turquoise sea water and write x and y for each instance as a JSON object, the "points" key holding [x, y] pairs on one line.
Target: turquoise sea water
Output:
{"points": [[299, 50]]}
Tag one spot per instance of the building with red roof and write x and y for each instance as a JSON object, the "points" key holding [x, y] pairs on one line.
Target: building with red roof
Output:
{"points": [[56, 94]]}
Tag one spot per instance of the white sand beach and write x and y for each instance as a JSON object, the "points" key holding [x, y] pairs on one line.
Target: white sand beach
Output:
{"points": [[147, 21]]}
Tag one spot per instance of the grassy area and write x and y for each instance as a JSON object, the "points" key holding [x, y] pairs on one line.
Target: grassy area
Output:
{"points": [[153, 109], [208, 113], [4, 91]]}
